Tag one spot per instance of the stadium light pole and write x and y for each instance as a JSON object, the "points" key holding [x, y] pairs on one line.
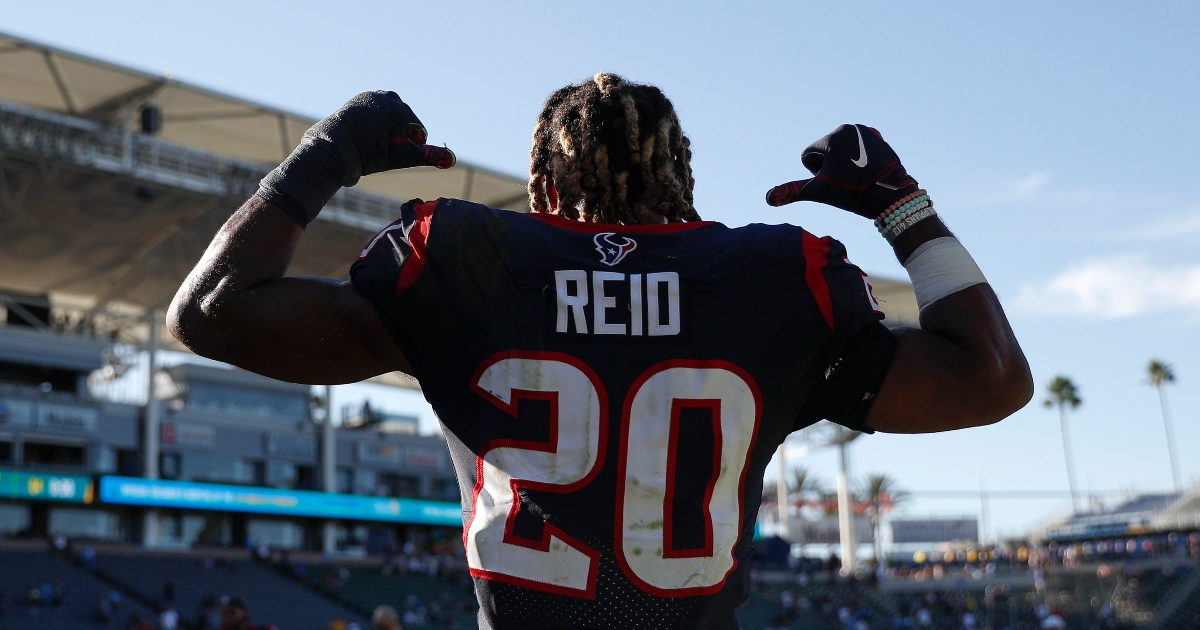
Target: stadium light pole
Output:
{"points": [[781, 492], [825, 434], [845, 509], [328, 470], [151, 425]]}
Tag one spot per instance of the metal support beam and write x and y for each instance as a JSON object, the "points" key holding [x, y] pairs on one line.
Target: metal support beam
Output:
{"points": [[59, 82], [115, 108], [14, 200], [108, 288], [150, 428], [845, 511], [329, 469]]}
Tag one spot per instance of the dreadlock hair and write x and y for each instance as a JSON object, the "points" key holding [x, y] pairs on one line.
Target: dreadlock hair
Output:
{"points": [[616, 154]]}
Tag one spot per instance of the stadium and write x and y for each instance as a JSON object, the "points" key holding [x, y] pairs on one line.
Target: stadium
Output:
{"points": [[133, 487]]}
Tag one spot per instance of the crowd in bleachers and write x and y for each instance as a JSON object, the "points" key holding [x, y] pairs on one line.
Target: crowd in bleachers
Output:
{"points": [[45, 590], [429, 587], [989, 561], [1105, 583], [822, 601], [1112, 583]]}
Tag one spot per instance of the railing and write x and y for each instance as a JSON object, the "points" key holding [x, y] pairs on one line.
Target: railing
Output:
{"points": [[38, 134]]}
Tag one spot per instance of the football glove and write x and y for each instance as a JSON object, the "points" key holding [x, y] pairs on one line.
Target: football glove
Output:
{"points": [[371, 133], [853, 169]]}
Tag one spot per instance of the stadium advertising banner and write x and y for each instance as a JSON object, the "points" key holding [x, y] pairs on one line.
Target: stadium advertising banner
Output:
{"points": [[39, 486], [212, 496], [825, 530], [934, 530]]}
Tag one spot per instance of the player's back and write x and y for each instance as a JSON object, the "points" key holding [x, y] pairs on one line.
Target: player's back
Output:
{"points": [[611, 396]]}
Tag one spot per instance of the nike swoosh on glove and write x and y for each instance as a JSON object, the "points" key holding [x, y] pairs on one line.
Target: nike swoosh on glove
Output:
{"points": [[373, 132], [853, 169]]}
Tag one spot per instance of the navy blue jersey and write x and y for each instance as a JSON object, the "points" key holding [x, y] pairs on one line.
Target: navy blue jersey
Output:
{"points": [[611, 396]]}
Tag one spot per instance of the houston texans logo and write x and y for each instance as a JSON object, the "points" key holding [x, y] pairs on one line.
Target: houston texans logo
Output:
{"points": [[611, 250]]}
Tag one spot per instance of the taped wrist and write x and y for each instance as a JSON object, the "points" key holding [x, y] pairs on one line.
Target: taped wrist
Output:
{"points": [[940, 267], [308, 178]]}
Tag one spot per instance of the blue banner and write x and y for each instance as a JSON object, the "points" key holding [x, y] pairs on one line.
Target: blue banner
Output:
{"points": [[220, 497]]}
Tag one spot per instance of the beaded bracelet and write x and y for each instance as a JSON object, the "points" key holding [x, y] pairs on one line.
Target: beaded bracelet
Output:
{"points": [[898, 212], [900, 227], [904, 208], [903, 200], [894, 219], [900, 202], [904, 211]]}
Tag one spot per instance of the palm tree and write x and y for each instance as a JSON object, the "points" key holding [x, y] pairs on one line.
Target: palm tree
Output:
{"points": [[879, 490], [804, 484], [769, 491], [1159, 373], [1062, 393]]}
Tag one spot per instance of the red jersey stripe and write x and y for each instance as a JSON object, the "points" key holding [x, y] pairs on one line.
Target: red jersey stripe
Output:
{"points": [[417, 239], [816, 251]]}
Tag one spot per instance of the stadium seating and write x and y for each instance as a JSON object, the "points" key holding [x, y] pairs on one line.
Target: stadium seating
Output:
{"points": [[818, 604], [21, 571], [447, 602], [271, 597], [1179, 607]]}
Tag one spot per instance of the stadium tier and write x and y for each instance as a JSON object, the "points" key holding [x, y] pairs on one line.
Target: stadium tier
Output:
{"points": [[421, 593], [196, 579], [42, 590]]}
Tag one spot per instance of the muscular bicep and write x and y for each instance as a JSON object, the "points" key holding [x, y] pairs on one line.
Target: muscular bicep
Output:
{"points": [[304, 330], [237, 306], [969, 373]]}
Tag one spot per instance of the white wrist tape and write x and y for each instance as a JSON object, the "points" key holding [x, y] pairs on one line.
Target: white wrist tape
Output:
{"points": [[940, 267]]}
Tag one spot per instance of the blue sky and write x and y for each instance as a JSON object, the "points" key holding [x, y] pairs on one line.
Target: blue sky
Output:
{"points": [[1057, 139]]}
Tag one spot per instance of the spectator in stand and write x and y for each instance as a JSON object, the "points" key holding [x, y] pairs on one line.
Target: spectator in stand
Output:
{"points": [[208, 615], [115, 600], [104, 611], [168, 592], [235, 615], [87, 556], [1054, 621], [57, 593], [386, 618], [168, 619]]}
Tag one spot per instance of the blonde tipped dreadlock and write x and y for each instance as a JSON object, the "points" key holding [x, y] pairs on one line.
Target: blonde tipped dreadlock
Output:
{"points": [[615, 152]]}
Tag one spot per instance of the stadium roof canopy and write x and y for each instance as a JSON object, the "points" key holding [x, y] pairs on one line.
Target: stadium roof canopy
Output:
{"points": [[54, 80], [99, 215], [106, 217]]}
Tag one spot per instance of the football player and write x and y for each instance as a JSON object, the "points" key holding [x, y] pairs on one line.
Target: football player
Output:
{"points": [[611, 372]]}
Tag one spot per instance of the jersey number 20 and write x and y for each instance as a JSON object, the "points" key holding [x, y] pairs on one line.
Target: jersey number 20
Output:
{"points": [[574, 454]]}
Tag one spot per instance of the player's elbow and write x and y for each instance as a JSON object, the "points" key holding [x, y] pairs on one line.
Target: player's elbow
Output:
{"points": [[1007, 386], [193, 320]]}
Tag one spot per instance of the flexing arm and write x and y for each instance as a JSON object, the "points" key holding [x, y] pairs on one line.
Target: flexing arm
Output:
{"points": [[236, 306], [963, 367]]}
